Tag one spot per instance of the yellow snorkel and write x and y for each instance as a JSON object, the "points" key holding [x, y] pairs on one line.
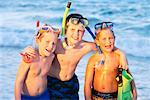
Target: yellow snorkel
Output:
{"points": [[64, 24]]}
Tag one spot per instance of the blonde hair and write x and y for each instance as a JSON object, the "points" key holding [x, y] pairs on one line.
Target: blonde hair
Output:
{"points": [[99, 33], [41, 34]]}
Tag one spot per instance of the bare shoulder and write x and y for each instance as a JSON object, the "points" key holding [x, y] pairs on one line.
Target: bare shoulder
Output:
{"points": [[119, 51], [59, 46], [92, 59], [89, 45], [23, 67], [24, 64]]}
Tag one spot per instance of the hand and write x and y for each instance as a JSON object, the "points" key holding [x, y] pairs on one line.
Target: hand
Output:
{"points": [[28, 54]]}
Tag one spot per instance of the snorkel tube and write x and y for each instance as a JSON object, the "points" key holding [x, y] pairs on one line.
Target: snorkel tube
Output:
{"points": [[64, 23], [91, 33], [93, 36]]}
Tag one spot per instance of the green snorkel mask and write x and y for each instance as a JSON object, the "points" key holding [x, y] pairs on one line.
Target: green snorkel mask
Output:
{"points": [[75, 19]]}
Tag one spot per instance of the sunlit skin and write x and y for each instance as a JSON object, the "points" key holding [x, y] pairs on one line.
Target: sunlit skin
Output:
{"points": [[74, 33], [102, 77], [66, 60], [32, 77]]}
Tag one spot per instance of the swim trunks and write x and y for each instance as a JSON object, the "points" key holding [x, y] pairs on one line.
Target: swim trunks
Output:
{"points": [[63, 89], [42, 96], [96, 94]]}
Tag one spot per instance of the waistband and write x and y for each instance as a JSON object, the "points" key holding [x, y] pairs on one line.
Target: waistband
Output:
{"points": [[104, 95], [53, 78], [38, 97]]}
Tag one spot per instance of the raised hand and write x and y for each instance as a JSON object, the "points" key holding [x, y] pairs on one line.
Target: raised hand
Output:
{"points": [[28, 54]]}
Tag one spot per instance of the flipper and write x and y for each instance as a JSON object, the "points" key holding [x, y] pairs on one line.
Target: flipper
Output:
{"points": [[124, 87]]}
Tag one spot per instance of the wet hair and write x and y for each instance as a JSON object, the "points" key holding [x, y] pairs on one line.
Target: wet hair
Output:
{"points": [[41, 34], [72, 15], [97, 36]]}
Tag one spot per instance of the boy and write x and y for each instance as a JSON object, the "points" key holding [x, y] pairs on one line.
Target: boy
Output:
{"points": [[31, 80], [62, 80], [101, 72]]}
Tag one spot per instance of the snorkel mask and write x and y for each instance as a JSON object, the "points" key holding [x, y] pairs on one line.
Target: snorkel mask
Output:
{"points": [[77, 19]]}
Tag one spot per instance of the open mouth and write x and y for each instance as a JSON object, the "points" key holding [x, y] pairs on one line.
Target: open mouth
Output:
{"points": [[108, 46], [75, 38]]}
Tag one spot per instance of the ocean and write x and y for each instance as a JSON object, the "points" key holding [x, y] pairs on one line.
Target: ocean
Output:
{"points": [[131, 20]]}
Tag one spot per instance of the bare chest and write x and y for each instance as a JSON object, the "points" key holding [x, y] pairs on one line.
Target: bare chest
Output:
{"points": [[70, 57], [38, 69], [109, 65]]}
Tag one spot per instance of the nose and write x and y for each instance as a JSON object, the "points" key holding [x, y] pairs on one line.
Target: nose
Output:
{"points": [[108, 41], [51, 45], [76, 34]]}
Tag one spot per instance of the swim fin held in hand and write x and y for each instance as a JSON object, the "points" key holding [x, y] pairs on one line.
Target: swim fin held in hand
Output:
{"points": [[124, 86]]}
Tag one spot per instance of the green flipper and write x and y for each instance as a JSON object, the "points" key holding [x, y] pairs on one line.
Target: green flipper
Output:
{"points": [[124, 88]]}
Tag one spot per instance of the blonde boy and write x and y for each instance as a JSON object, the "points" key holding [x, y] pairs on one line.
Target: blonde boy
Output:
{"points": [[102, 69], [31, 80]]}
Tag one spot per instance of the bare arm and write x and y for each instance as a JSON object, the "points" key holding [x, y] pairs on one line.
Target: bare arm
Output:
{"points": [[20, 78], [88, 79], [134, 90], [29, 54], [122, 58], [93, 46]]}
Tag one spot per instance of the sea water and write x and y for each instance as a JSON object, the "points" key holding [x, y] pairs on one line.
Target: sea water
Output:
{"points": [[131, 26]]}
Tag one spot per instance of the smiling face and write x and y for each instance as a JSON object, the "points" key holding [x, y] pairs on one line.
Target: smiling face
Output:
{"points": [[105, 39], [47, 43], [74, 32]]}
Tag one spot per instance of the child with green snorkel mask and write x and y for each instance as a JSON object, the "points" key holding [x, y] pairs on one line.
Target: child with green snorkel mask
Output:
{"points": [[102, 69], [75, 28]]}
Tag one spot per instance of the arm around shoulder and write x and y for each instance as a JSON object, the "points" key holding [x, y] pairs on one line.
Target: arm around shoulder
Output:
{"points": [[91, 46]]}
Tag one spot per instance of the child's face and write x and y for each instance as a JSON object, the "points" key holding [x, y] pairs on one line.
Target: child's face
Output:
{"points": [[106, 40], [74, 32], [47, 44]]}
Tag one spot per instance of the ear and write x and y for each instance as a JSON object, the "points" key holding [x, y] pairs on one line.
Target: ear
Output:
{"points": [[97, 42], [67, 24], [37, 39], [58, 32]]}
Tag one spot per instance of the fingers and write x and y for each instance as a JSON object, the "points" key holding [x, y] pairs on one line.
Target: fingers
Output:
{"points": [[28, 54], [30, 51], [123, 67], [26, 58]]}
